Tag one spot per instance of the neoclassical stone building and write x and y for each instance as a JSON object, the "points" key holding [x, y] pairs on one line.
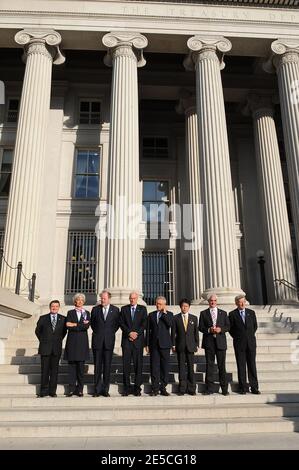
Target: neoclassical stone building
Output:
{"points": [[172, 103]]}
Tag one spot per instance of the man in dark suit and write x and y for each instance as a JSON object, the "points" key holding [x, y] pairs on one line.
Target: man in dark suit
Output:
{"points": [[185, 341], [104, 324], [133, 320], [214, 323], [243, 327], [50, 331], [159, 343]]}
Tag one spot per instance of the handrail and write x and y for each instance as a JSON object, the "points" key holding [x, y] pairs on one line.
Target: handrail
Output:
{"points": [[20, 273], [287, 284]]}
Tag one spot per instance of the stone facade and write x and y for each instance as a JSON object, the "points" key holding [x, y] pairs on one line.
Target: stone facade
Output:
{"points": [[157, 72]]}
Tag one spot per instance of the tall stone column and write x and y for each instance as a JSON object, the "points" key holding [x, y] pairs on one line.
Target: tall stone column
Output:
{"points": [[219, 234], [24, 207], [187, 105], [123, 252], [279, 255], [285, 60]]}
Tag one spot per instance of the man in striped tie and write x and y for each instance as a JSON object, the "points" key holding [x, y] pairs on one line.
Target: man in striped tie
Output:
{"points": [[50, 331]]}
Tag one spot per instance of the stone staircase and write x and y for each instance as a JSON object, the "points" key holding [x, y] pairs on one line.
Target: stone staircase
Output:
{"points": [[275, 410]]}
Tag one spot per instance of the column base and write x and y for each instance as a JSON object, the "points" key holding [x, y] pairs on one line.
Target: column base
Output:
{"points": [[120, 296], [225, 295], [199, 301]]}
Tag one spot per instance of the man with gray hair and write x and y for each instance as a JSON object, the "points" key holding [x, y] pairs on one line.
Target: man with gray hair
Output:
{"points": [[133, 319], [243, 328], [104, 324], [214, 323], [159, 343]]}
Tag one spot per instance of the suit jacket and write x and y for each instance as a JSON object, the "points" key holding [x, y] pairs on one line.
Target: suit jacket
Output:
{"points": [[103, 332], [138, 324], [182, 339], [243, 334], [50, 342], [158, 334], [205, 322], [77, 347]]}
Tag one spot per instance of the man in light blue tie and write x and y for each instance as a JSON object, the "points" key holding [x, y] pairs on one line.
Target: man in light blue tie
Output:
{"points": [[243, 326], [104, 324], [133, 319]]}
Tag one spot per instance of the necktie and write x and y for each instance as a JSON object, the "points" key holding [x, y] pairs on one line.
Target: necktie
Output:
{"points": [[185, 322], [132, 313], [159, 314], [53, 321], [105, 313], [242, 315], [214, 317]]}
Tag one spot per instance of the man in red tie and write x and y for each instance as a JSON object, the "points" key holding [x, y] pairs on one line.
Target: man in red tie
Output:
{"points": [[243, 327]]}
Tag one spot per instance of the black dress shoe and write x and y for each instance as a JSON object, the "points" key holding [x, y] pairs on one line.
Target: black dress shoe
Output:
{"points": [[255, 391], [154, 394], [96, 395], [207, 392], [41, 396], [191, 393], [137, 393], [54, 395], [164, 393], [79, 394], [180, 394], [106, 394], [225, 392], [125, 394], [242, 392], [70, 394]]}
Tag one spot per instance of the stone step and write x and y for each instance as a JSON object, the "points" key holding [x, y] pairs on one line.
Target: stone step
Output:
{"points": [[148, 413], [63, 378], [149, 428], [117, 376], [30, 342], [265, 323], [115, 400], [15, 388], [267, 353], [32, 349], [34, 368], [21, 358]]}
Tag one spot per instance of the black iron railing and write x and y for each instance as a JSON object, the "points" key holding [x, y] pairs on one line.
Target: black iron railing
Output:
{"points": [[287, 284], [19, 268]]}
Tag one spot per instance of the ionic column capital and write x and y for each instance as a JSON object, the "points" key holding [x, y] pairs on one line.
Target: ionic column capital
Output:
{"points": [[125, 44], [210, 47], [41, 41], [187, 103], [282, 51], [259, 104]]}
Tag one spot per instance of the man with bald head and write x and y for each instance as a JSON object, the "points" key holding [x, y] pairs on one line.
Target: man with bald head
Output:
{"points": [[214, 323], [133, 319]]}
